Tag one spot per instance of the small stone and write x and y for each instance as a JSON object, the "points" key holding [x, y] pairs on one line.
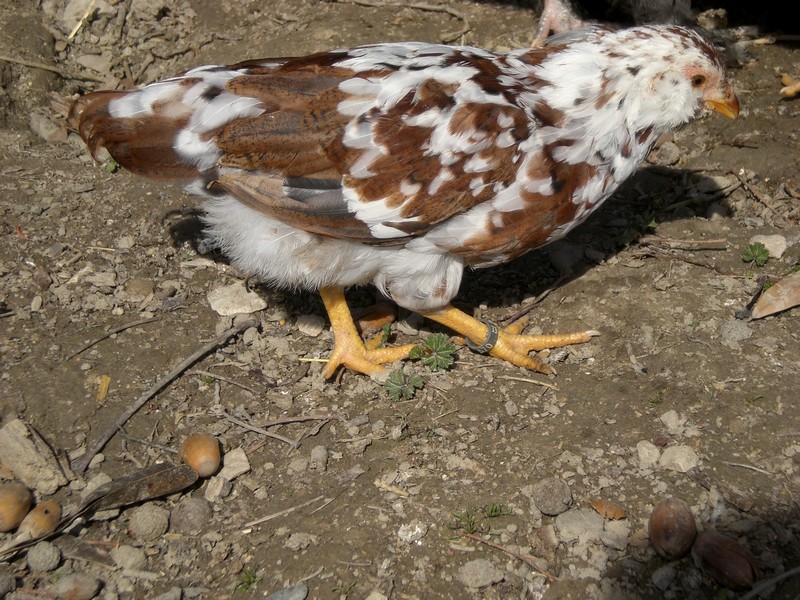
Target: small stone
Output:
{"points": [[235, 299], [648, 454], [615, 535], [129, 558], [217, 488], [148, 522], [300, 541], [234, 464], [310, 325], [191, 515], [511, 408], [138, 289], [716, 211], [579, 523], [319, 459], [44, 557], [733, 332], [47, 129], [174, 593], [298, 465], [679, 458], [674, 423], [95, 62], [376, 595], [296, 592], [479, 573], [7, 584], [412, 532], [77, 586], [775, 244], [663, 577], [552, 496]]}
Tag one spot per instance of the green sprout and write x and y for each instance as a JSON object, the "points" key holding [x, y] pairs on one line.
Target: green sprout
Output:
{"points": [[248, 580], [756, 253], [400, 386], [436, 352]]}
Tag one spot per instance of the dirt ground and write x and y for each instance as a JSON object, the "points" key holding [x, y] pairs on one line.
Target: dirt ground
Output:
{"points": [[376, 498]]}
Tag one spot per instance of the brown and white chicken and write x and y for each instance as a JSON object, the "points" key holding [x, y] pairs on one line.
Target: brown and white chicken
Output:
{"points": [[402, 164]]}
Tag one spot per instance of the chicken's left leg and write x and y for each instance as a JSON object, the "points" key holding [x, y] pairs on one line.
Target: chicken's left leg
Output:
{"points": [[348, 348], [506, 343]]}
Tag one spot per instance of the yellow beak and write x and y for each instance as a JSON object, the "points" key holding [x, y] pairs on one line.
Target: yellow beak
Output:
{"points": [[727, 106]]}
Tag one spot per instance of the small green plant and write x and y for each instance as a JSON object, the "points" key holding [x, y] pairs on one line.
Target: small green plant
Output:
{"points": [[751, 400], [343, 589], [112, 166], [657, 399], [756, 253], [466, 522], [495, 509], [436, 352], [248, 581], [400, 386]]}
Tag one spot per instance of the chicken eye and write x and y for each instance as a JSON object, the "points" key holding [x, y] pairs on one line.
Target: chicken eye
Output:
{"points": [[698, 80]]}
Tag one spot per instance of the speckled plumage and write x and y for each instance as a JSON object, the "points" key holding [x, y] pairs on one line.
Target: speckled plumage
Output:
{"points": [[402, 164]]}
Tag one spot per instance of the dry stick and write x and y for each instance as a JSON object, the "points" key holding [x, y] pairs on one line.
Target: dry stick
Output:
{"points": [[79, 464], [45, 67], [244, 386], [675, 244], [526, 558], [108, 334], [284, 512], [301, 418], [261, 430], [526, 380], [524, 311], [767, 583], [420, 6]]}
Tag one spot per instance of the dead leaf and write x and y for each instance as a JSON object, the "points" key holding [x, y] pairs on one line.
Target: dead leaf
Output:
{"points": [[608, 509], [783, 295]]}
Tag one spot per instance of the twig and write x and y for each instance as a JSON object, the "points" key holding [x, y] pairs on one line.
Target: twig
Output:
{"points": [[526, 558], [301, 418], [750, 467], [524, 311], [673, 244], [261, 430], [79, 464], [447, 38], [663, 254], [109, 333], [729, 494], [244, 386], [122, 17], [526, 380], [763, 199], [314, 574], [89, 10], [44, 67], [768, 583], [282, 513]]}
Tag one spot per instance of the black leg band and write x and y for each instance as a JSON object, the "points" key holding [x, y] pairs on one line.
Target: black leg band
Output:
{"points": [[491, 338]]}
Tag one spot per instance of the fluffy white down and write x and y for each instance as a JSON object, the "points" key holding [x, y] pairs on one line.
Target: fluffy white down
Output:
{"points": [[292, 258]]}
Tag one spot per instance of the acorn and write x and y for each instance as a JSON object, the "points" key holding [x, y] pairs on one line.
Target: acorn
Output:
{"points": [[42, 520], [672, 528], [725, 560], [15, 502], [201, 452]]}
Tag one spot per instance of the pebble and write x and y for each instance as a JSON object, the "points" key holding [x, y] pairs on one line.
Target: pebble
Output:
{"points": [[148, 522], [310, 325], [44, 557], [511, 408], [174, 593], [716, 211], [648, 454], [191, 515], [234, 464], [300, 541], [775, 244], [7, 584], [296, 592], [77, 586], [733, 332], [615, 535], [412, 532], [579, 523], [235, 299], [96, 62], [663, 577], [298, 465], [552, 496], [47, 129], [319, 459], [129, 558], [479, 573], [675, 424], [217, 488], [679, 458]]}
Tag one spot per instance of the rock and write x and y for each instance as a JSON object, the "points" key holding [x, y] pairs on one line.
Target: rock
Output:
{"points": [[129, 558], [76, 586], [30, 458], [235, 299], [615, 535], [300, 541], [7, 584], [511, 408], [191, 515], [733, 332], [148, 522], [663, 577], [412, 532], [217, 488], [44, 557], [174, 593], [95, 62], [310, 325], [47, 129], [479, 573], [579, 523], [298, 465], [674, 423], [319, 459], [296, 592], [775, 244], [552, 496], [648, 454], [716, 211], [679, 458], [234, 464]]}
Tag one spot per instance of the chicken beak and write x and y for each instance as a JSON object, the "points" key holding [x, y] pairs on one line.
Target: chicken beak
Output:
{"points": [[727, 106]]}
